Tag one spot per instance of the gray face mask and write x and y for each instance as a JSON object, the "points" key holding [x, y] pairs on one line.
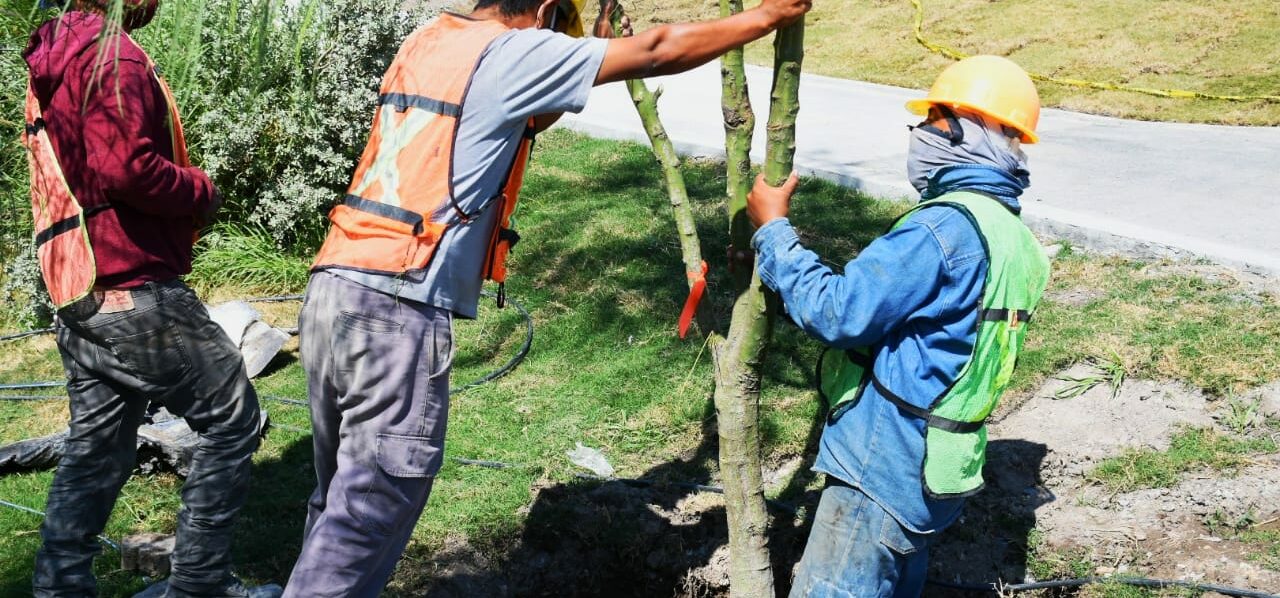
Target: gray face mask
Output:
{"points": [[982, 141]]}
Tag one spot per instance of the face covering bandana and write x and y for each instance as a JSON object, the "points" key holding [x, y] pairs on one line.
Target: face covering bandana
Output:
{"points": [[973, 139]]}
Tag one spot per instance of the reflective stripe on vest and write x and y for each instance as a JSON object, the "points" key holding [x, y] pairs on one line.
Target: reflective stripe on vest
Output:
{"points": [[401, 199], [63, 248], [955, 434]]}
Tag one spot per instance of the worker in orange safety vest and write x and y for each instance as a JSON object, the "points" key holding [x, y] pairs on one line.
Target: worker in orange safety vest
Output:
{"points": [[425, 220]]}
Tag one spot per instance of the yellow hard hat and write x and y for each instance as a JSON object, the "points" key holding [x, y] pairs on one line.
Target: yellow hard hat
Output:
{"points": [[993, 86], [573, 11]]}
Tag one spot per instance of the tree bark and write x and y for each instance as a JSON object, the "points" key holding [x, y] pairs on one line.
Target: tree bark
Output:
{"points": [[739, 123], [780, 150], [738, 356], [646, 103]]}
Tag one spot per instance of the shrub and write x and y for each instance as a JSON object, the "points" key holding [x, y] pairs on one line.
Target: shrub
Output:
{"points": [[20, 286], [279, 97]]}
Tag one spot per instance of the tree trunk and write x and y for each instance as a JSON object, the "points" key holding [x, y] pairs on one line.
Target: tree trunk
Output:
{"points": [[738, 356], [784, 104], [739, 123]]}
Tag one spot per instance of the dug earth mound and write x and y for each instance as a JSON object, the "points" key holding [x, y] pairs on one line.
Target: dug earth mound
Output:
{"points": [[1045, 508], [1044, 511]]}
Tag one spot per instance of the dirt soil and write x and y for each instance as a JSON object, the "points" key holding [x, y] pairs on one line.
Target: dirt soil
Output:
{"points": [[1038, 458], [617, 539]]}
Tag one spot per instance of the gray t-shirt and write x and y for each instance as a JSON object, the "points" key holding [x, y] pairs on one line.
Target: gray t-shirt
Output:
{"points": [[523, 73]]}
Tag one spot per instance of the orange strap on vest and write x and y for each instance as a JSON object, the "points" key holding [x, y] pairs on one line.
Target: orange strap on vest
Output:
{"points": [[401, 197], [696, 290], [180, 155], [504, 236]]}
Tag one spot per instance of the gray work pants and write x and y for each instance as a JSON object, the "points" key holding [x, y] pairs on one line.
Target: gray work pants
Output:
{"points": [[378, 382], [164, 349]]}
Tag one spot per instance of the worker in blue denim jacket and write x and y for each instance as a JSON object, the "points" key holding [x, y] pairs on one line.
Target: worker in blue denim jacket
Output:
{"points": [[914, 298]]}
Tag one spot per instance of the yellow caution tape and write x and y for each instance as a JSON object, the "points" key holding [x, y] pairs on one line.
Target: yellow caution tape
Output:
{"points": [[955, 54]]}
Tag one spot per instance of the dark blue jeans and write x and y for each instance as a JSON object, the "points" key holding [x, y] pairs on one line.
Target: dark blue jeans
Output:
{"points": [[378, 382], [164, 349], [857, 550]]}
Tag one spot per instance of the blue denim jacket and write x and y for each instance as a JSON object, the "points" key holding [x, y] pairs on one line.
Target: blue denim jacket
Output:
{"points": [[912, 295]]}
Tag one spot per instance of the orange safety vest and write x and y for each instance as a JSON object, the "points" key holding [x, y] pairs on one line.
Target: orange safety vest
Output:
{"points": [[61, 236], [387, 222]]}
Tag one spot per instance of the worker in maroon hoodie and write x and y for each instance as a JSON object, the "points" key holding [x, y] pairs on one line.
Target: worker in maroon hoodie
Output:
{"points": [[116, 205]]}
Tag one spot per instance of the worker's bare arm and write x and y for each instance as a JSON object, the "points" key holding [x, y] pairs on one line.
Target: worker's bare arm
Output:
{"points": [[677, 48]]}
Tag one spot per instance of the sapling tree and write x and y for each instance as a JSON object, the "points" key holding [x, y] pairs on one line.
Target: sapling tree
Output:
{"points": [[739, 353]]}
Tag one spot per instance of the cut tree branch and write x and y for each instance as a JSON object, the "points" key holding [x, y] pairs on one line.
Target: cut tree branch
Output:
{"points": [[646, 103]]}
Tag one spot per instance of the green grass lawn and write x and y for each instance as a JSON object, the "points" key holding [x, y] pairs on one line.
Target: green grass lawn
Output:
{"points": [[1214, 46], [600, 271]]}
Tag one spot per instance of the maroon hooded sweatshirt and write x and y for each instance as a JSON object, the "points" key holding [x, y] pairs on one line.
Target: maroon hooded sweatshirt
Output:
{"points": [[110, 131]]}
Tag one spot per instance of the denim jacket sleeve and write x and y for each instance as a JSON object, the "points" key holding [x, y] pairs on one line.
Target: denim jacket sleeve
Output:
{"points": [[890, 280]]}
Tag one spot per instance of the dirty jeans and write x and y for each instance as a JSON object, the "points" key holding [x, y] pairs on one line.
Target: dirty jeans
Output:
{"points": [[165, 349], [857, 550], [378, 382]]}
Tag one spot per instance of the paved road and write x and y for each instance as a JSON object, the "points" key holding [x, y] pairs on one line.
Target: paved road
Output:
{"points": [[1112, 184]]}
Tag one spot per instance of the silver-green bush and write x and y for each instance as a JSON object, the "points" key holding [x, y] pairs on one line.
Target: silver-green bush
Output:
{"points": [[279, 98]]}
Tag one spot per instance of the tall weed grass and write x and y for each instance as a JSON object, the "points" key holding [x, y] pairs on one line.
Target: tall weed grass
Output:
{"points": [[244, 257]]}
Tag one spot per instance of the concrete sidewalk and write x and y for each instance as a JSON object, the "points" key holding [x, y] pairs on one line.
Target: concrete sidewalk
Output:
{"points": [[1152, 189]]}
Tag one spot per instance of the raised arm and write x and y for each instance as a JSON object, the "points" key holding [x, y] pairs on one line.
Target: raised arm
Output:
{"points": [[677, 48]]}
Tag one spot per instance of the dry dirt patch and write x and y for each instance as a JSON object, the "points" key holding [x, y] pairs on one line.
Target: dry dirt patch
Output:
{"points": [[1039, 498]]}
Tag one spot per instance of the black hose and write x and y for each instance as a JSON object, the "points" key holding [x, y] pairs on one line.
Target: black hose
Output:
{"points": [[5, 503], [31, 385], [486, 464], [285, 401], [14, 337], [515, 360], [277, 299], [491, 376], [994, 588]]}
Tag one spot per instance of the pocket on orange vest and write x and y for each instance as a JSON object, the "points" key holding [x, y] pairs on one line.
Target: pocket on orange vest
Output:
{"points": [[371, 242]]}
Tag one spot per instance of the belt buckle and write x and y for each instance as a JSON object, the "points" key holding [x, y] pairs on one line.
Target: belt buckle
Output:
{"points": [[1013, 319]]}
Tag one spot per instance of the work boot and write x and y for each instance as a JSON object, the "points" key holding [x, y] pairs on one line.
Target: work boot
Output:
{"points": [[235, 589]]}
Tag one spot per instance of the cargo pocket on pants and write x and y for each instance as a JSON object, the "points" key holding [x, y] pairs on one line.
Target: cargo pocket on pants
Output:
{"points": [[406, 467]]}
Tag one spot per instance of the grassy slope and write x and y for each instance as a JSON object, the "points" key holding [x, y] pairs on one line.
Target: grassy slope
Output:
{"points": [[1215, 46], [600, 271]]}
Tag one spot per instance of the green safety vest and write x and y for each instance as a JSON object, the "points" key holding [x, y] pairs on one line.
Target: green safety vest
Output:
{"points": [[955, 434]]}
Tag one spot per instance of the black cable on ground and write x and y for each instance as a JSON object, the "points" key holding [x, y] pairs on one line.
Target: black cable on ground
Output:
{"points": [[5, 503], [515, 360], [285, 401], [505, 369], [994, 588], [277, 299], [31, 385], [14, 337], [485, 464]]}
